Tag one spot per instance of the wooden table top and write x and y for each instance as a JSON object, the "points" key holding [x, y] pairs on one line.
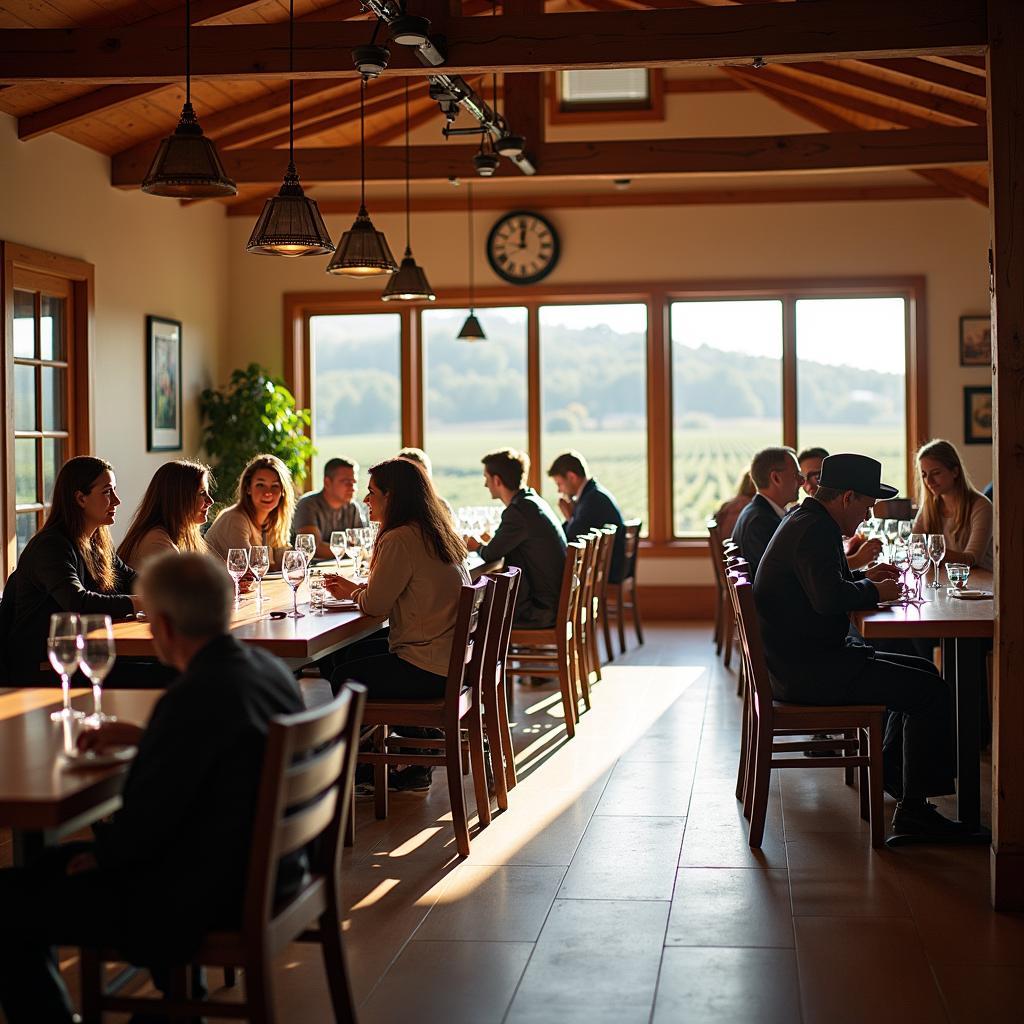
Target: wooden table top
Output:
{"points": [[36, 791], [941, 616]]}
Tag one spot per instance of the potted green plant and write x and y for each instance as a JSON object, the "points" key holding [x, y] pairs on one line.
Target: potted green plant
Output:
{"points": [[255, 413]]}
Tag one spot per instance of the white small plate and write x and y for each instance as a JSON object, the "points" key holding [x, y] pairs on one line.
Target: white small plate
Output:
{"points": [[972, 595], [335, 604], [85, 760]]}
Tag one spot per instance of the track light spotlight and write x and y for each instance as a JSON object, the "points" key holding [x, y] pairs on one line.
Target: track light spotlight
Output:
{"points": [[370, 60], [486, 164], [510, 145], [409, 30]]}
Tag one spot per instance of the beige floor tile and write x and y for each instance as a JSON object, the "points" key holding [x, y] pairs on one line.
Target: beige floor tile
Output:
{"points": [[448, 983], [854, 970], [727, 846], [596, 963], [668, 746], [503, 903], [817, 800], [624, 858], [727, 986], [731, 907], [989, 993], [714, 803], [648, 787]]}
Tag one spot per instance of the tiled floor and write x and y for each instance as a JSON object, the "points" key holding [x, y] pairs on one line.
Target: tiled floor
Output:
{"points": [[619, 886]]}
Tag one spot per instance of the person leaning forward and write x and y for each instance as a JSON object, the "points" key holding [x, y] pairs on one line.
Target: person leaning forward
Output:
{"points": [[804, 592]]}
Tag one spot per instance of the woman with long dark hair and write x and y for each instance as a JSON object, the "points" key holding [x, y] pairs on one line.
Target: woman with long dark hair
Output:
{"points": [[168, 518], [68, 566], [416, 576]]}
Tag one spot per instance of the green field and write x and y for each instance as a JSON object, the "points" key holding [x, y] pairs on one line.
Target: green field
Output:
{"points": [[707, 464]]}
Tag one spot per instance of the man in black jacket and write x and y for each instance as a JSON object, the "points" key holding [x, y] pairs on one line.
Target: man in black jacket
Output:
{"points": [[587, 506], [804, 591], [172, 863], [528, 536], [777, 478]]}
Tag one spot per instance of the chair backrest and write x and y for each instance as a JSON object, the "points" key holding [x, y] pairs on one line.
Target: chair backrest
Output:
{"points": [[305, 786], [750, 638], [469, 638], [591, 547], [568, 598], [605, 550], [631, 531], [505, 587], [717, 553]]}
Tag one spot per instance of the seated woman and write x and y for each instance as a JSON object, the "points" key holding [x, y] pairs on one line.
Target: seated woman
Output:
{"points": [[68, 566], [262, 513], [168, 518], [416, 576], [952, 506], [730, 510]]}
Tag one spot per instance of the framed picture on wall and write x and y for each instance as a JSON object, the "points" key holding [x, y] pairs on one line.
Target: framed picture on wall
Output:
{"points": [[163, 384], [977, 415], [975, 341]]}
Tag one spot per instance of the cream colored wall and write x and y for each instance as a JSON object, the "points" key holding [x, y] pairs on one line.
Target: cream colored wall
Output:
{"points": [[151, 256], [944, 240]]}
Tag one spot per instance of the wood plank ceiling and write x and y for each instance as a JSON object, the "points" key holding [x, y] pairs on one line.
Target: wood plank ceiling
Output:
{"points": [[835, 96]]}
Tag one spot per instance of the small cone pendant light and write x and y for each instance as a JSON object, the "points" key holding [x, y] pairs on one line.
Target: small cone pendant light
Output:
{"points": [[410, 283], [290, 224], [471, 329], [187, 165], [363, 250]]}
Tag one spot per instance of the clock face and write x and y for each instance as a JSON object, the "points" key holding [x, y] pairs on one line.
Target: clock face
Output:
{"points": [[523, 247]]}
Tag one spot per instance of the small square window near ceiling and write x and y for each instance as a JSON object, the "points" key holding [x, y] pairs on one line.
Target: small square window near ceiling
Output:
{"points": [[605, 86]]}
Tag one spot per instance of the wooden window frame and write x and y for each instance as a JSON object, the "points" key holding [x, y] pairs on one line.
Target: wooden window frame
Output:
{"points": [[651, 109], [661, 541], [78, 277]]}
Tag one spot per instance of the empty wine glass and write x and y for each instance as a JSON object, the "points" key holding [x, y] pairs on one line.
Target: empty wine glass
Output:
{"points": [[891, 531], [64, 649], [97, 659], [293, 568], [904, 530], [936, 551], [238, 566], [259, 562], [901, 559], [338, 546], [920, 560], [354, 546], [306, 543]]}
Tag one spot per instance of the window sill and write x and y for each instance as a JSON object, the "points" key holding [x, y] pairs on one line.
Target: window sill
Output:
{"points": [[682, 548]]}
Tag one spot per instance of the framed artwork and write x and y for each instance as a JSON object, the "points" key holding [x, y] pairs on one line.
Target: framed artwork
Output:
{"points": [[163, 384], [975, 341], [977, 415]]}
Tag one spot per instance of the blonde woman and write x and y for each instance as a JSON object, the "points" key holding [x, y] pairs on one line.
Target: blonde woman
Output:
{"points": [[168, 518], [262, 513], [730, 510], [951, 505]]}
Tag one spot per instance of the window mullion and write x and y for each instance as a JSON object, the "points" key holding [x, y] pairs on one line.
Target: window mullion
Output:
{"points": [[789, 380]]}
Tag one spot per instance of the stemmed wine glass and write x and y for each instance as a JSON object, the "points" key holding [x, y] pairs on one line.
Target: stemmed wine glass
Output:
{"points": [[259, 562], [891, 531], [354, 546], [901, 559], [338, 546], [64, 649], [904, 530], [936, 551], [919, 562], [293, 568], [238, 566], [97, 659], [306, 543]]}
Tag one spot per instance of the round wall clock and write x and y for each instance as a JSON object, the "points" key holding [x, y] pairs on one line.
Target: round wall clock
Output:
{"points": [[523, 247]]}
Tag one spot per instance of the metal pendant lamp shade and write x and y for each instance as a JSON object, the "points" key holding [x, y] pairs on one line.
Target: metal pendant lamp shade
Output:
{"points": [[363, 250], [290, 224], [187, 165], [471, 329]]}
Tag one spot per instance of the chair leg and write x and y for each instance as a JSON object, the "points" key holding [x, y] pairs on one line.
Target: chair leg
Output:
{"points": [[620, 615], [753, 725], [606, 622], [259, 988], [568, 694], [595, 651], [862, 775], [91, 976], [453, 766], [762, 781], [848, 773], [729, 629], [496, 745], [875, 774], [350, 822], [741, 771], [583, 663], [476, 757], [334, 964], [720, 611], [637, 623], [380, 779], [505, 731]]}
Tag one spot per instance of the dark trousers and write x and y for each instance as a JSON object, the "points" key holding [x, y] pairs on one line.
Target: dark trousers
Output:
{"points": [[917, 749], [386, 676], [533, 616]]}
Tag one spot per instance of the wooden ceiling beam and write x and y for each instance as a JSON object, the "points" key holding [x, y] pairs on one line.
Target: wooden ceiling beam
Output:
{"points": [[936, 74], [935, 147], [781, 33]]}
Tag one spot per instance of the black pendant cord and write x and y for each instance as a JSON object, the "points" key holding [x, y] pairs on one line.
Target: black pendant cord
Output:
{"points": [[469, 204], [362, 143], [188, 52], [408, 221], [291, 83]]}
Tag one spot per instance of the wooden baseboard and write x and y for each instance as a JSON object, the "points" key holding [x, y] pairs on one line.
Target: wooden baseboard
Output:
{"points": [[677, 603]]}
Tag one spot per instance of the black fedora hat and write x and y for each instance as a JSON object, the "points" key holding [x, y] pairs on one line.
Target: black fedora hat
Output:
{"points": [[848, 472]]}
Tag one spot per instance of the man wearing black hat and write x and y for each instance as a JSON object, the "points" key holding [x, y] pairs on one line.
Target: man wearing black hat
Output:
{"points": [[805, 591]]}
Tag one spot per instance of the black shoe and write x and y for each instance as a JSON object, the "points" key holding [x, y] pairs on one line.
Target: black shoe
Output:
{"points": [[413, 779], [923, 819]]}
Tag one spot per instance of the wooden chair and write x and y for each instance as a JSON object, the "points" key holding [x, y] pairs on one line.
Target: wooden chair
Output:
{"points": [[860, 725], [493, 688], [554, 652], [590, 663], [623, 593], [304, 794], [724, 618], [459, 708], [611, 531], [602, 564]]}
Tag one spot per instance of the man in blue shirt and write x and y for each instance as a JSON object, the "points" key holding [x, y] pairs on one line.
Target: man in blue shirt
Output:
{"points": [[586, 505]]}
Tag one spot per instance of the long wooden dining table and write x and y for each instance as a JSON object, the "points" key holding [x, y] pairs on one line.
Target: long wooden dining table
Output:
{"points": [[961, 626]]}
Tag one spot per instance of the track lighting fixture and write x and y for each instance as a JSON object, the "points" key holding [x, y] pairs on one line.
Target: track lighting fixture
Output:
{"points": [[371, 60]]}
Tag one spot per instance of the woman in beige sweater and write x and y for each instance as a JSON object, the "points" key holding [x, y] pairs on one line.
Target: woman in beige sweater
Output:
{"points": [[172, 510], [416, 576], [952, 506]]}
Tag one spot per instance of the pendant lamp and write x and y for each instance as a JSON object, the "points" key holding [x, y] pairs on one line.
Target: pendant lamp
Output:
{"points": [[471, 329], [410, 283], [363, 250], [187, 165], [290, 224]]}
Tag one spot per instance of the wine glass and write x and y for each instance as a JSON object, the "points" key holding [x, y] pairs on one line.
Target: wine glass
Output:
{"points": [[920, 560], [338, 546], [238, 566], [293, 568], [891, 530], [354, 546], [937, 551], [905, 529], [367, 539], [64, 649], [958, 574], [901, 559], [97, 659], [306, 543], [259, 562]]}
